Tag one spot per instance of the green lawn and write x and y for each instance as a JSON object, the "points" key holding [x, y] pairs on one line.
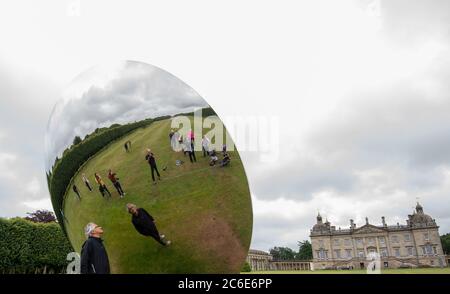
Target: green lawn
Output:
{"points": [[205, 211], [445, 270]]}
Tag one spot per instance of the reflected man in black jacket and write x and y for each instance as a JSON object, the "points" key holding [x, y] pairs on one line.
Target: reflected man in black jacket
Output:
{"points": [[94, 259], [145, 224], [150, 157]]}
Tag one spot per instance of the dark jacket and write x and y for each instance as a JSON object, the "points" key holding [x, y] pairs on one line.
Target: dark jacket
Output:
{"points": [[143, 223], [94, 259], [151, 159]]}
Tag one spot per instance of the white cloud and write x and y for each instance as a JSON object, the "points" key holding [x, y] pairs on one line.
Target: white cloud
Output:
{"points": [[43, 203], [33, 187], [7, 161]]}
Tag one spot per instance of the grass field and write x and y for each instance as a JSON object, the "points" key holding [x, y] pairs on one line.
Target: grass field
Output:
{"points": [[205, 211], [445, 270]]}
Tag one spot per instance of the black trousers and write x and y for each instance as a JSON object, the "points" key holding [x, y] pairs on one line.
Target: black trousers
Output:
{"points": [[192, 156], [118, 188], [88, 186], [105, 190], [155, 235], [205, 152], [153, 169]]}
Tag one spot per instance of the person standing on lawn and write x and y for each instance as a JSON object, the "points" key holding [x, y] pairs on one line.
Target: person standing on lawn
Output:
{"points": [[76, 191], [115, 180], [86, 182], [150, 158], [102, 186], [189, 148], [205, 145], [144, 223]]}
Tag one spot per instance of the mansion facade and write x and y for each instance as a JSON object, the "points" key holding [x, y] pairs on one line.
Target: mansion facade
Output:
{"points": [[416, 244], [263, 261]]}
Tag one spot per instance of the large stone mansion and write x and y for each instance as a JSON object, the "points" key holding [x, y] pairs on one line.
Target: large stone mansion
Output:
{"points": [[415, 244]]}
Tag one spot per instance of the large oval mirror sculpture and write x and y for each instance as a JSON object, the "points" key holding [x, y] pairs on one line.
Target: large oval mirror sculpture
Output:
{"points": [[129, 142]]}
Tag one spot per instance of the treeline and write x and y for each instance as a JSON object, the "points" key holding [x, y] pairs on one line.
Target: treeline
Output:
{"points": [[65, 168], [285, 253], [208, 111], [32, 248], [445, 240]]}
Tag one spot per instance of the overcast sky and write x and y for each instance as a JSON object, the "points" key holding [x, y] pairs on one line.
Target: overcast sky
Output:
{"points": [[360, 88]]}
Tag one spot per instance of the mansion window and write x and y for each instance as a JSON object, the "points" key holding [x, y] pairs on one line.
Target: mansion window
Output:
{"points": [[348, 253], [382, 240], [322, 254], [407, 237], [359, 242], [410, 251], [361, 253], [426, 237], [371, 240], [397, 252], [320, 243], [427, 250], [372, 252], [434, 250], [337, 253], [336, 242], [347, 242], [394, 239], [384, 252]]}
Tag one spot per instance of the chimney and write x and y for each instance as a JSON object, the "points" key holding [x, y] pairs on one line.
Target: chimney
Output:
{"points": [[383, 221], [352, 225]]}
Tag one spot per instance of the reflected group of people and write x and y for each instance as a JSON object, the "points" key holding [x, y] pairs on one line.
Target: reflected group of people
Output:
{"points": [[103, 189], [187, 144]]}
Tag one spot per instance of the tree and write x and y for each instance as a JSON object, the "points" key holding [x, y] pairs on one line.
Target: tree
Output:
{"points": [[445, 239], [246, 268], [282, 253], [304, 250], [76, 140], [41, 216]]}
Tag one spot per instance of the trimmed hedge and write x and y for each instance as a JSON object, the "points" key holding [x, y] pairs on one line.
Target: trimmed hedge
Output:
{"points": [[27, 247], [64, 169]]}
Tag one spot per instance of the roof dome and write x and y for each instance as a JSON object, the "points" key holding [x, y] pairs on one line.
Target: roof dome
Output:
{"points": [[319, 227], [419, 217]]}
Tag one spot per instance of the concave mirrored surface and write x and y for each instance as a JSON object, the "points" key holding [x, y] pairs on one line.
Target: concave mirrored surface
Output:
{"points": [[126, 134]]}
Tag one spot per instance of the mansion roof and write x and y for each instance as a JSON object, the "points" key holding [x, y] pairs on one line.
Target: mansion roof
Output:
{"points": [[258, 252], [416, 220]]}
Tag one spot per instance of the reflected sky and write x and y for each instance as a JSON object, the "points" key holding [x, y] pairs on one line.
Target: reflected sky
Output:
{"points": [[120, 93]]}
